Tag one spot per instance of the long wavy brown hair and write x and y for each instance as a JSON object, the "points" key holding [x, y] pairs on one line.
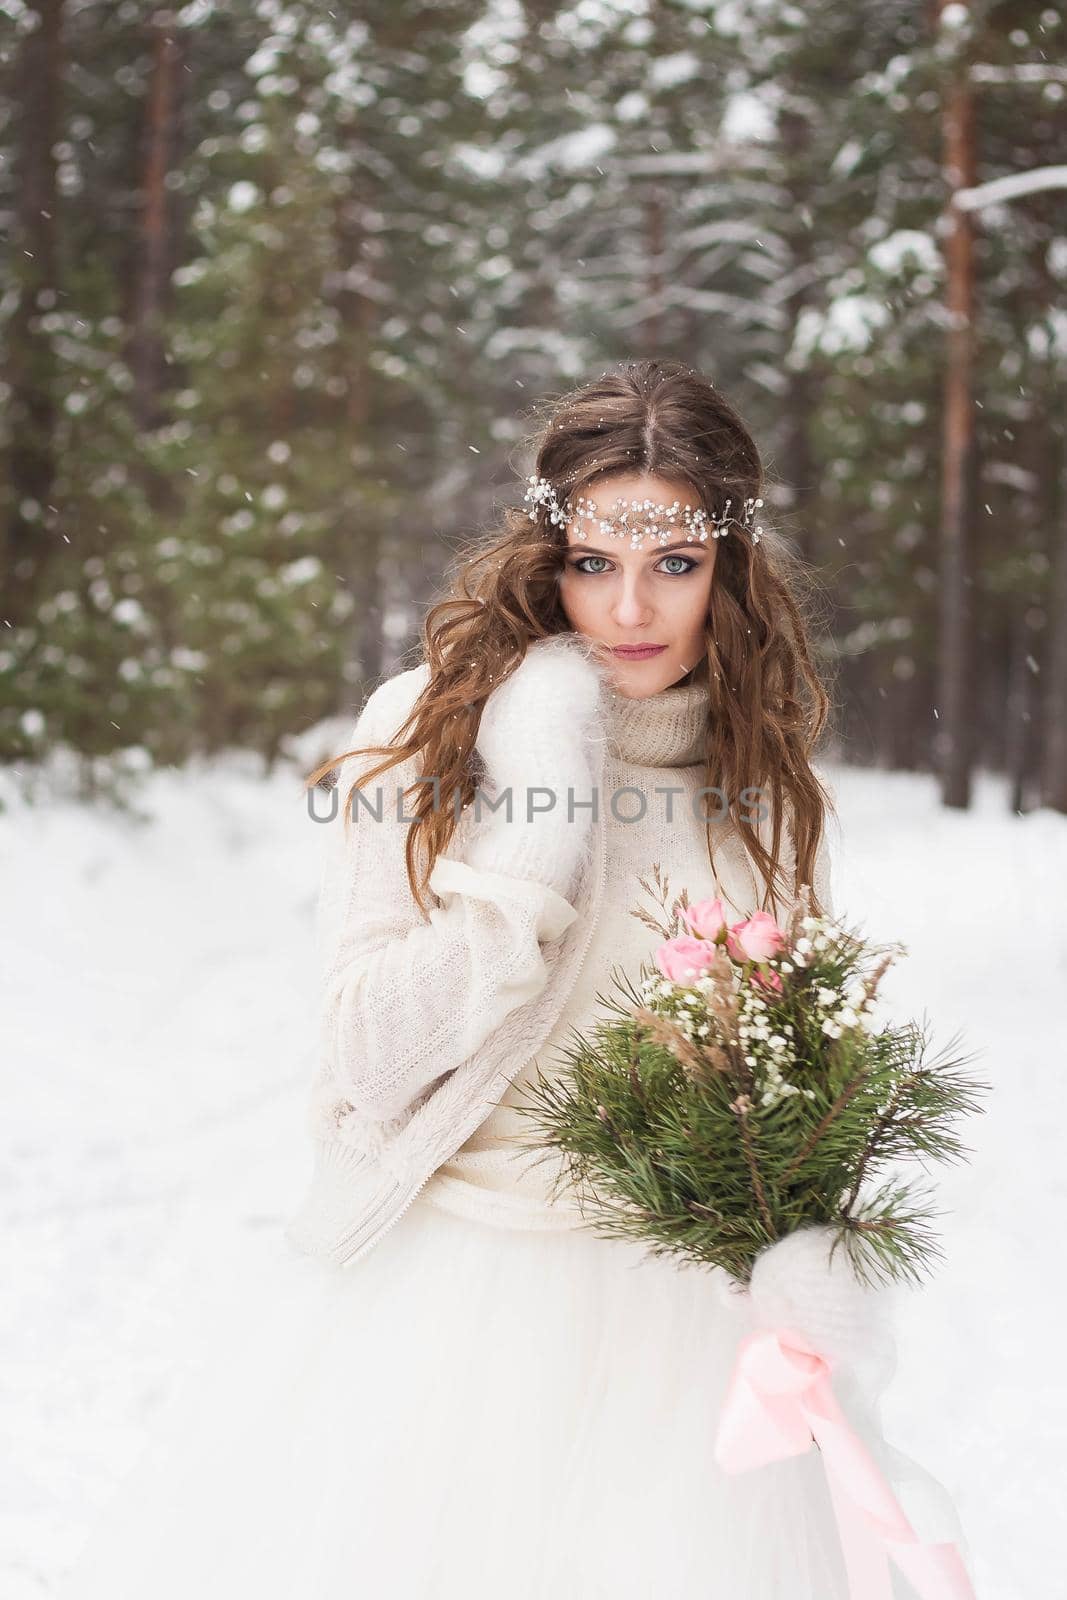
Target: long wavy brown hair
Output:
{"points": [[768, 703]]}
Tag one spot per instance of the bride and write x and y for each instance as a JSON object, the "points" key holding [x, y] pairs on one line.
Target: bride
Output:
{"points": [[440, 1382]]}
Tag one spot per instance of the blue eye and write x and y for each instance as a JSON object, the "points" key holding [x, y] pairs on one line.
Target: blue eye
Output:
{"points": [[687, 566]]}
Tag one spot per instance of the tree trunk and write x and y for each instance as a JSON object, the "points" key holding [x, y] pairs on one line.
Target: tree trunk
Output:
{"points": [[31, 367], [800, 399], [360, 554], [652, 321], [147, 350], [1022, 707], [1054, 775], [956, 703]]}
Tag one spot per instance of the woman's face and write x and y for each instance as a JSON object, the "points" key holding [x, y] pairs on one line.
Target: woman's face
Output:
{"points": [[657, 594]]}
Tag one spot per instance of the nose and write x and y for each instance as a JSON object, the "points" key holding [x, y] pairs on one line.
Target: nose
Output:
{"points": [[629, 609]]}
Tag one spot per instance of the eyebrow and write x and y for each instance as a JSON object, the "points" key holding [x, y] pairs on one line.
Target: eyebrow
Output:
{"points": [[591, 549]]}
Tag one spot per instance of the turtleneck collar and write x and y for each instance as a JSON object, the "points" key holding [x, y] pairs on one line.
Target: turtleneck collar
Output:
{"points": [[666, 729]]}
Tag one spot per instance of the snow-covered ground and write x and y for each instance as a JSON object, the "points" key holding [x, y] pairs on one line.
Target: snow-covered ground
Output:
{"points": [[157, 1016]]}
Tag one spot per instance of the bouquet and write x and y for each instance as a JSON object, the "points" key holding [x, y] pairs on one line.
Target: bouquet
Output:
{"points": [[744, 1088], [740, 1107]]}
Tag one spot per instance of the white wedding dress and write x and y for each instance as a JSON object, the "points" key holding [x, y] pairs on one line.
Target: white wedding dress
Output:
{"points": [[473, 1412], [478, 1410]]}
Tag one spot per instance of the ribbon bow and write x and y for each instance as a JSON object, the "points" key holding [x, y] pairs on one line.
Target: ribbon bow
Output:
{"points": [[778, 1402]]}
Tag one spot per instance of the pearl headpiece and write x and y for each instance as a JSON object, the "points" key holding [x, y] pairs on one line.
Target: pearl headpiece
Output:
{"points": [[635, 519]]}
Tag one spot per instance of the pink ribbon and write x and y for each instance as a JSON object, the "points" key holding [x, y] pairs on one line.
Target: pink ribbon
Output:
{"points": [[778, 1402]]}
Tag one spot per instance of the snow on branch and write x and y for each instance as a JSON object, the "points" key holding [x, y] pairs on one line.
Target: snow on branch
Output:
{"points": [[1022, 72], [1011, 187], [747, 312]]}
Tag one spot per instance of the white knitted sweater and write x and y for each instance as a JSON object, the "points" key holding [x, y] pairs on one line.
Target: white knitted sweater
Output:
{"points": [[425, 1022], [654, 746]]}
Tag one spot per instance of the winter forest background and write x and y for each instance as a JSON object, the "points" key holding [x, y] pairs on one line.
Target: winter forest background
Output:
{"points": [[280, 284], [281, 279]]}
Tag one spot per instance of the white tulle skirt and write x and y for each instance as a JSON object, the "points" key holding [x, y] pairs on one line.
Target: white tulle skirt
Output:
{"points": [[473, 1412]]}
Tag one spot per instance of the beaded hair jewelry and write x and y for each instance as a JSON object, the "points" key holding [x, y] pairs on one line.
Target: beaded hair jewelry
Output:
{"points": [[648, 516]]}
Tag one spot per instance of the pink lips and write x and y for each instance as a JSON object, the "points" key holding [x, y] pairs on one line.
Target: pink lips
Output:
{"points": [[638, 652]]}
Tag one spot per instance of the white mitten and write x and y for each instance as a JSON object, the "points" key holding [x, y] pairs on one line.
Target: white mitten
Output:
{"points": [[797, 1283], [537, 732]]}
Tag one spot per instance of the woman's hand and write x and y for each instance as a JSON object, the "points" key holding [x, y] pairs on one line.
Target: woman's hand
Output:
{"points": [[537, 732], [797, 1283], [536, 725]]}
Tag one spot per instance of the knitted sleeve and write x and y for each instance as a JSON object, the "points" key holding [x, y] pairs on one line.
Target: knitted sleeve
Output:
{"points": [[406, 1000]]}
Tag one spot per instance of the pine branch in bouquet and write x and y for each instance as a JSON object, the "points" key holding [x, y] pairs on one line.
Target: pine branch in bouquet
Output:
{"points": [[889, 1236], [742, 1089]]}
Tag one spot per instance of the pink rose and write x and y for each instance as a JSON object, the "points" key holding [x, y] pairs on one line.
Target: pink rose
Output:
{"points": [[682, 960], [706, 918], [767, 978], [756, 939]]}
